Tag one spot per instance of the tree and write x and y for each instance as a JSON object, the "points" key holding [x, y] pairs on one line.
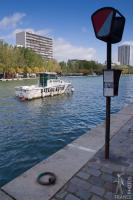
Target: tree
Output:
{"points": [[24, 60]]}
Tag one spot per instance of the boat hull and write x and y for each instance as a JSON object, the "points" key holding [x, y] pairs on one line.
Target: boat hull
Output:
{"points": [[34, 92]]}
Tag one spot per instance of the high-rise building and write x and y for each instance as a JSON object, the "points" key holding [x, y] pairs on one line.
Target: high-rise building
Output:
{"points": [[125, 54], [39, 44]]}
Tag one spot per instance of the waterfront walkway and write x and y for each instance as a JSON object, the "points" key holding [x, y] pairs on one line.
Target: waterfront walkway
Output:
{"points": [[96, 179], [82, 172]]}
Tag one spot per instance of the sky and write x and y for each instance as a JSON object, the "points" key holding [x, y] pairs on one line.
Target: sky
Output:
{"points": [[68, 22]]}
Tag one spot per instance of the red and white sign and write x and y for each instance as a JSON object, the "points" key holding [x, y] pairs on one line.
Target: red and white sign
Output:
{"points": [[102, 21]]}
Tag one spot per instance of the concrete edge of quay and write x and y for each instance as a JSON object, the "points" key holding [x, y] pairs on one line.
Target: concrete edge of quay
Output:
{"points": [[65, 163]]}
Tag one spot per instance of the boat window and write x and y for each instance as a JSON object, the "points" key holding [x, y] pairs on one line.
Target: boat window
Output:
{"points": [[52, 76], [43, 80]]}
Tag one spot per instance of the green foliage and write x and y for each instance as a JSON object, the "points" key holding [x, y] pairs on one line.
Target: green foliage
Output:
{"points": [[81, 66], [124, 68], [23, 60], [89, 67]]}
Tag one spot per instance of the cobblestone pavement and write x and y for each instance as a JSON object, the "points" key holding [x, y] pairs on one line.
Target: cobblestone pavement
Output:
{"points": [[97, 180]]}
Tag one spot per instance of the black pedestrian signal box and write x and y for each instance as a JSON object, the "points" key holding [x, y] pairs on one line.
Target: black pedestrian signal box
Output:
{"points": [[111, 82], [108, 24]]}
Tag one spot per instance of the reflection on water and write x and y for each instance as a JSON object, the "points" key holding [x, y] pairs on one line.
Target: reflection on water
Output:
{"points": [[33, 130]]}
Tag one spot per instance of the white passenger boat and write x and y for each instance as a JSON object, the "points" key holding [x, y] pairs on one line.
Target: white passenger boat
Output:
{"points": [[49, 85]]}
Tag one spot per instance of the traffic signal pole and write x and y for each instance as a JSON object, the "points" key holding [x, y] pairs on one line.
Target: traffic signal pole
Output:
{"points": [[108, 106]]}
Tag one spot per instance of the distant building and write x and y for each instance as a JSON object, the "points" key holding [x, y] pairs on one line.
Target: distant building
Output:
{"points": [[125, 54], [39, 44], [1, 40]]}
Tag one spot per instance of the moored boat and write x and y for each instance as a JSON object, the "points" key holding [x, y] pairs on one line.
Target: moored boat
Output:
{"points": [[49, 85]]}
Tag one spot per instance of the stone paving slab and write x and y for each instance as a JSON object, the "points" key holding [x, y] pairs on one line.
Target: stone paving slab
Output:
{"points": [[128, 110], [72, 159], [4, 196], [99, 182], [63, 164]]}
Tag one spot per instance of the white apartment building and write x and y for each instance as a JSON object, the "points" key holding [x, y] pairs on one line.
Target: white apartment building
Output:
{"points": [[125, 54], [39, 44]]}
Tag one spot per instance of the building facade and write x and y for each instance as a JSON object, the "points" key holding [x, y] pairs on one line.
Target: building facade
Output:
{"points": [[39, 44], [125, 54]]}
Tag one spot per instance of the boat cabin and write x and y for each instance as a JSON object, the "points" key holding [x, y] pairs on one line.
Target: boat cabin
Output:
{"points": [[44, 77]]}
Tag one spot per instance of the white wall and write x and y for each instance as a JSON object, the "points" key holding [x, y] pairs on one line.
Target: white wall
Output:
{"points": [[20, 39]]}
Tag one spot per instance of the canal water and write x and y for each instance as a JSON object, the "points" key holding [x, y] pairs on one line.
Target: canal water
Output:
{"points": [[30, 131]]}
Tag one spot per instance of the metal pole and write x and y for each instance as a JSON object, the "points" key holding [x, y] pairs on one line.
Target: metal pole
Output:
{"points": [[108, 104]]}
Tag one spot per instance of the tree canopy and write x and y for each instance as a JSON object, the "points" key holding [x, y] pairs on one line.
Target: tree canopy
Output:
{"points": [[23, 60], [81, 66]]}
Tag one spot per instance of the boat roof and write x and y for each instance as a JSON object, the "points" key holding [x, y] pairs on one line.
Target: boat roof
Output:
{"points": [[49, 73]]}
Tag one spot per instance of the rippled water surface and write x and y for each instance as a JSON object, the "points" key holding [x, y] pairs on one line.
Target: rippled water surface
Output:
{"points": [[31, 131]]}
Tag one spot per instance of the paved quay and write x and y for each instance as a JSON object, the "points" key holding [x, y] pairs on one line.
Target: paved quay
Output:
{"points": [[96, 179], [82, 172]]}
